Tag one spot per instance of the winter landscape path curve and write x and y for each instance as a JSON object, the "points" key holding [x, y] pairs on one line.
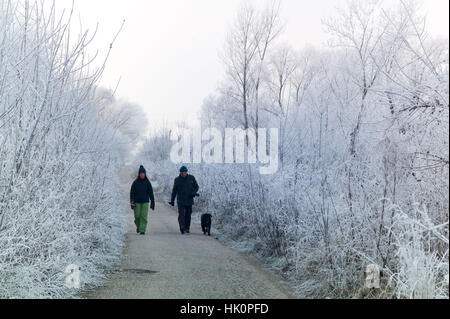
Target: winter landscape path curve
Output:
{"points": [[166, 264]]}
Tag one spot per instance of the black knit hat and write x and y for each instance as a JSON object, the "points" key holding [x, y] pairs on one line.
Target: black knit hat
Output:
{"points": [[183, 169], [142, 170]]}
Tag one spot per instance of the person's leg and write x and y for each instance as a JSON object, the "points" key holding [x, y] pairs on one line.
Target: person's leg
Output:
{"points": [[203, 223], [143, 220], [137, 214], [181, 213], [187, 218]]}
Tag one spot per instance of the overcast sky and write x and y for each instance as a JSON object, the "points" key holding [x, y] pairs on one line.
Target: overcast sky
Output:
{"points": [[167, 55]]}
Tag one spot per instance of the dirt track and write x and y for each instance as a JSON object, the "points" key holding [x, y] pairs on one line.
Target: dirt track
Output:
{"points": [[166, 264]]}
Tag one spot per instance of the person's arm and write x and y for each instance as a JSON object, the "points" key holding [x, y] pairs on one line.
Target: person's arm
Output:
{"points": [[132, 193], [195, 185], [174, 193], [151, 195], [132, 196], [150, 192]]}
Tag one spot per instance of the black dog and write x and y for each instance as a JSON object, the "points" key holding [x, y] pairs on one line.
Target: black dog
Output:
{"points": [[206, 224]]}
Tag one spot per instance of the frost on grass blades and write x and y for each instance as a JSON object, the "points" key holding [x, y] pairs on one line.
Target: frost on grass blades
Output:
{"points": [[237, 144]]}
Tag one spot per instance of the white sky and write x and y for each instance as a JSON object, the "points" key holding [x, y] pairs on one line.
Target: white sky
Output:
{"points": [[167, 55]]}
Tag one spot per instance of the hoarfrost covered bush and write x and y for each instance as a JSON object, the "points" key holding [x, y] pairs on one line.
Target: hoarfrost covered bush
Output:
{"points": [[422, 271], [60, 151], [363, 175]]}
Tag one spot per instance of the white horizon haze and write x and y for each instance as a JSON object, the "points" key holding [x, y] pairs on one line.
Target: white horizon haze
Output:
{"points": [[167, 57]]}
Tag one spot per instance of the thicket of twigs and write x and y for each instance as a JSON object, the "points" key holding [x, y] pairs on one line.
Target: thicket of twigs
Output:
{"points": [[364, 164], [62, 143]]}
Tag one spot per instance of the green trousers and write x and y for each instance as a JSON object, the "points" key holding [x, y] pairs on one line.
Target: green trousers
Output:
{"points": [[141, 216]]}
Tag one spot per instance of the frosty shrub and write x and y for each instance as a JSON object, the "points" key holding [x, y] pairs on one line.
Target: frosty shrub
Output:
{"points": [[60, 152], [364, 163]]}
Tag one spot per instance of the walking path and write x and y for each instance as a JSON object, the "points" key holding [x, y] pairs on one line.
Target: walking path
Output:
{"points": [[166, 264]]}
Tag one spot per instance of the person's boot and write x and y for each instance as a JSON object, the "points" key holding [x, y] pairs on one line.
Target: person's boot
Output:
{"points": [[187, 231], [182, 232], [142, 233], [137, 230]]}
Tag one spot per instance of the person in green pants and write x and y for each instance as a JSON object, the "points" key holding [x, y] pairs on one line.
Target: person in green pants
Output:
{"points": [[141, 194]]}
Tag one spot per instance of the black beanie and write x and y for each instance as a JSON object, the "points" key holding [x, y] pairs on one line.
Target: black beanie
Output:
{"points": [[142, 170]]}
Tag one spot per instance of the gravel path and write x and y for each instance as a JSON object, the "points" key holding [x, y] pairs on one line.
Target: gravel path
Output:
{"points": [[166, 264]]}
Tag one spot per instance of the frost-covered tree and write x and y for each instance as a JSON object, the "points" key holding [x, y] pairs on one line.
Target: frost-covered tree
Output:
{"points": [[61, 148], [364, 147]]}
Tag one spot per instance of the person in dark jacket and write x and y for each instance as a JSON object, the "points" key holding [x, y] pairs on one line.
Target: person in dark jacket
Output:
{"points": [[185, 188], [140, 193]]}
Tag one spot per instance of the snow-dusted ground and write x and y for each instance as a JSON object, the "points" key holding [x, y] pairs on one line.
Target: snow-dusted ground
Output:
{"points": [[166, 264]]}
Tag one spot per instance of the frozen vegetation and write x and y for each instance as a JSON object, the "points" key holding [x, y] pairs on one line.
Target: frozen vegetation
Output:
{"points": [[363, 174], [364, 163], [62, 143]]}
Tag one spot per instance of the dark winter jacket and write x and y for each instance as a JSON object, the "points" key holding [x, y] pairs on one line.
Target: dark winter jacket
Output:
{"points": [[184, 189], [141, 191]]}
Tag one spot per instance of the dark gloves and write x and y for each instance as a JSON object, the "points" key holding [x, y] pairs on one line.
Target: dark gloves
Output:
{"points": [[171, 203], [133, 205], [152, 205], [195, 195]]}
